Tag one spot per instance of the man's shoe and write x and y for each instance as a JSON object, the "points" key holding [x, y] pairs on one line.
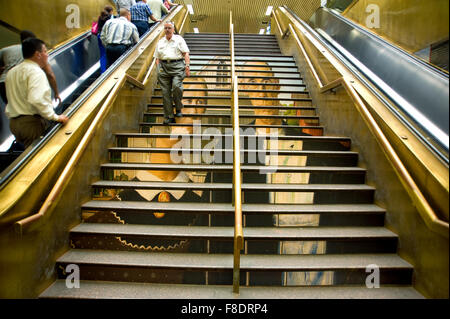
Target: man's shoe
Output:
{"points": [[179, 114], [169, 120]]}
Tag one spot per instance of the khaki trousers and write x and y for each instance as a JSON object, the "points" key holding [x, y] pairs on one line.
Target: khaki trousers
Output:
{"points": [[27, 128], [170, 78]]}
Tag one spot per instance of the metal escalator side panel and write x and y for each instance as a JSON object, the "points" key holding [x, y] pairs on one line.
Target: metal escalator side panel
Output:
{"points": [[422, 86]]}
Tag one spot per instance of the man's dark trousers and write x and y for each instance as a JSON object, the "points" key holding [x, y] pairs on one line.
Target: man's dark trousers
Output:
{"points": [[170, 78], [142, 26], [114, 51]]}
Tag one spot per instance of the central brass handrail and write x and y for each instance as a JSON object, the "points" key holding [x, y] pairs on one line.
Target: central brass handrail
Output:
{"points": [[237, 202]]}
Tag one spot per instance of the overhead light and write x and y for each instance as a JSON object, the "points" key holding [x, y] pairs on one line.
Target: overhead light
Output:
{"points": [[190, 8], [269, 10], [261, 31], [196, 30]]}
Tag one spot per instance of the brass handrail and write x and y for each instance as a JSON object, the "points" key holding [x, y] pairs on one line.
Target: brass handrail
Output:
{"points": [[61, 183], [237, 202], [180, 30], [420, 202]]}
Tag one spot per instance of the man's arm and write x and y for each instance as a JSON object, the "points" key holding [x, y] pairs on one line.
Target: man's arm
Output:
{"points": [[154, 19], [2, 64], [135, 34], [39, 96], [104, 33], [52, 80], [171, 4]]}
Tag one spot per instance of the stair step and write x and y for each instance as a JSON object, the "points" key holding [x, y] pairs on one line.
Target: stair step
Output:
{"points": [[283, 58], [317, 174], [254, 48], [228, 186], [187, 97], [278, 65], [317, 158], [227, 233], [209, 136], [220, 262], [223, 208], [207, 34], [221, 125], [244, 107], [121, 290], [243, 116], [240, 71], [248, 77], [240, 91], [310, 143], [237, 45], [242, 54], [229, 168], [258, 84], [249, 48]]}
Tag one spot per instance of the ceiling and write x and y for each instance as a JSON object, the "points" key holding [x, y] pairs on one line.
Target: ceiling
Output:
{"points": [[248, 16]]}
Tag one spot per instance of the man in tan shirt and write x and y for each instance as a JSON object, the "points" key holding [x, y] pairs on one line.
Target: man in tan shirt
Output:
{"points": [[29, 94]]}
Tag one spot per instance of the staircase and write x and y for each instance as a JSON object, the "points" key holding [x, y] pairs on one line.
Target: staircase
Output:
{"points": [[163, 228]]}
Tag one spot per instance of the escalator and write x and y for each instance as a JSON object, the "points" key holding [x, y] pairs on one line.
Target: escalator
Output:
{"points": [[75, 65], [418, 89]]}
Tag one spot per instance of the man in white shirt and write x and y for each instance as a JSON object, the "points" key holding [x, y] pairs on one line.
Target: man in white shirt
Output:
{"points": [[118, 35], [158, 8], [172, 58], [29, 94], [12, 56]]}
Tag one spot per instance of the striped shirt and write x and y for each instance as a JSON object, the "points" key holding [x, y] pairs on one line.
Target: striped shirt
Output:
{"points": [[140, 12], [119, 31]]}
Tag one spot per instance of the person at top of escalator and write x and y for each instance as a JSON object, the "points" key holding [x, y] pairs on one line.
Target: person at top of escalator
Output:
{"points": [[169, 4], [30, 105], [124, 4], [12, 56], [118, 35], [158, 8], [105, 15], [140, 15]]}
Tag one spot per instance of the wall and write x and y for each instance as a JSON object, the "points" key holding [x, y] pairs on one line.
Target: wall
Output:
{"points": [[47, 18], [411, 24]]}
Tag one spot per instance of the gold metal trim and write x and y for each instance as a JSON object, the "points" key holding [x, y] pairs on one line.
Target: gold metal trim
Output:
{"points": [[237, 202]]}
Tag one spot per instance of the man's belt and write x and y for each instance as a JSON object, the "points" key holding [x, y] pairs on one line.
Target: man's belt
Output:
{"points": [[171, 61]]}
